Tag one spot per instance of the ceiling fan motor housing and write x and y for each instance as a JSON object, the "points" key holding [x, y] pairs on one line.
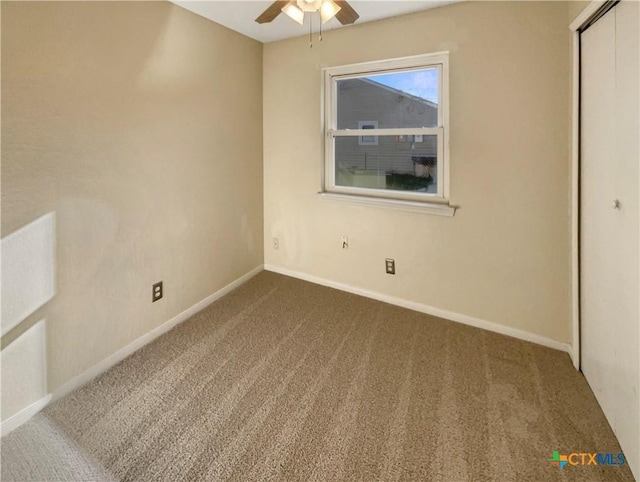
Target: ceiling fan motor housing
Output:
{"points": [[309, 5]]}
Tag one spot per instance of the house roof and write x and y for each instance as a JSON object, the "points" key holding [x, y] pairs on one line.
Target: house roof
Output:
{"points": [[399, 92]]}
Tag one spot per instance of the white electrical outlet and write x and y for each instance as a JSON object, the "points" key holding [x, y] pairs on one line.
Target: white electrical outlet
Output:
{"points": [[276, 244], [345, 242]]}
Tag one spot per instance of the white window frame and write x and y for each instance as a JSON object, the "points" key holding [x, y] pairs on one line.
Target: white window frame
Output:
{"points": [[332, 75]]}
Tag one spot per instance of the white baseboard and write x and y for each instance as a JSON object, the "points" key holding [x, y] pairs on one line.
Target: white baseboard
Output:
{"points": [[123, 353], [429, 310], [23, 415]]}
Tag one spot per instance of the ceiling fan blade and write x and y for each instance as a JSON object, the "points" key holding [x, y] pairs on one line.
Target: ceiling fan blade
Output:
{"points": [[347, 14], [272, 11]]}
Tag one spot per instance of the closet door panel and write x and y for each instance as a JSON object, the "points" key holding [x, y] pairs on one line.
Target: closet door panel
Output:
{"points": [[610, 220], [627, 243], [597, 220]]}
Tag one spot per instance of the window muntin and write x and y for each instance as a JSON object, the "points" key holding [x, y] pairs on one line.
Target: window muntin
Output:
{"points": [[400, 154]]}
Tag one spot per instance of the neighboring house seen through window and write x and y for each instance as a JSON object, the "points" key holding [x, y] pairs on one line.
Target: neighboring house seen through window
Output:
{"points": [[386, 129]]}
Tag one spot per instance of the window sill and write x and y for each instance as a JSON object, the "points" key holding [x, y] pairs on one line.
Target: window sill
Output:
{"points": [[438, 209]]}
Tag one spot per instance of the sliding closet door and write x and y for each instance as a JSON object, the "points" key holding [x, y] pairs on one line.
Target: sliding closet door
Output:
{"points": [[597, 192], [610, 219]]}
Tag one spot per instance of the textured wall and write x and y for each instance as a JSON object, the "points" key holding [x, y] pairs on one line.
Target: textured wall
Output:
{"points": [[575, 7], [505, 256], [139, 125]]}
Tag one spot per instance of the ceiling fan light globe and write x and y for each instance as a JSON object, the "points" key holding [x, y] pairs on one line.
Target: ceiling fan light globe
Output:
{"points": [[294, 12], [309, 5], [328, 10]]}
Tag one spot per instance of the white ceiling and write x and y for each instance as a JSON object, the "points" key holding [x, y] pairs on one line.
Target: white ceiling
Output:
{"points": [[240, 15]]}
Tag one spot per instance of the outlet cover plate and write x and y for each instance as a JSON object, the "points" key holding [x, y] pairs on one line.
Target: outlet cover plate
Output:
{"points": [[156, 293], [390, 265]]}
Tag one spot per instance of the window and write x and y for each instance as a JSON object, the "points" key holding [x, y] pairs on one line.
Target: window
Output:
{"points": [[402, 154], [368, 140]]}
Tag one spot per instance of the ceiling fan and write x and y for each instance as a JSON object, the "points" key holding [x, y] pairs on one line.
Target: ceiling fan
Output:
{"points": [[296, 9]]}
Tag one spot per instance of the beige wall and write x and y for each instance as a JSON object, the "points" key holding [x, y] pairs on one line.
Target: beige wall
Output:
{"points": [[139, 126], [576, 7], [505, 256]]}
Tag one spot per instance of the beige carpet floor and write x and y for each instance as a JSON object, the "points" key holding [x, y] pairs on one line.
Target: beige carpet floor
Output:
{"points": [[290, 381]]}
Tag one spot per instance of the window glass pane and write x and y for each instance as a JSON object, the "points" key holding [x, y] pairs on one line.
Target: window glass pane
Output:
{"points": [[396, 163], [402, 99]]}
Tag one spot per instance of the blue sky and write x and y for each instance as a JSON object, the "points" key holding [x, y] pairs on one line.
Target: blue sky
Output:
{"points": [[421, 83]]}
